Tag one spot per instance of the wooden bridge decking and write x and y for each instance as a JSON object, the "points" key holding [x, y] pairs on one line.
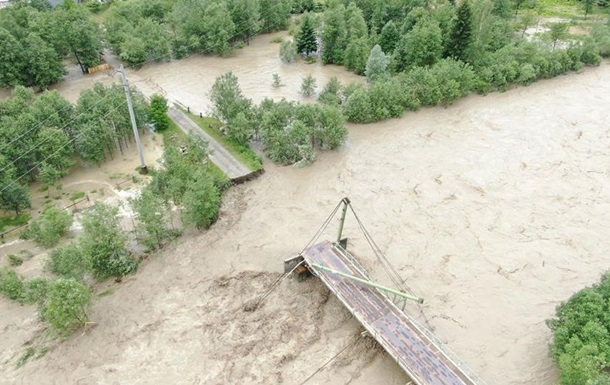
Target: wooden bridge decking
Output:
{"points": [[416, 350]]}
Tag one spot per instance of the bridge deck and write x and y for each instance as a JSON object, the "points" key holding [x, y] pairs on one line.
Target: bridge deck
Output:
{"points": [[417, 353]]}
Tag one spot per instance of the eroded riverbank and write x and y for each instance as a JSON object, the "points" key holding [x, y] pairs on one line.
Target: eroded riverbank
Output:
{"points": [[494, 210]]}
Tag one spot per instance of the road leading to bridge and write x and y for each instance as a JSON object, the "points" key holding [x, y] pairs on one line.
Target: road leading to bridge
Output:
{"points": [[221, 157]]}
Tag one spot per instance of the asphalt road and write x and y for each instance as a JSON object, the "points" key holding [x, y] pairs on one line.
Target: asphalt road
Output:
{"points": [[218, 154]]}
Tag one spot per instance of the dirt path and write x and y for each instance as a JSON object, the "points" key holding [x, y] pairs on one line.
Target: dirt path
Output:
{"points": [[218, 154]]}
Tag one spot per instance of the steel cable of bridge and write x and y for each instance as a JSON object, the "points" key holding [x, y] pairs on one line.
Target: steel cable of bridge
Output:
{"points": [[356, 339], [387, 266], [313, 240]]}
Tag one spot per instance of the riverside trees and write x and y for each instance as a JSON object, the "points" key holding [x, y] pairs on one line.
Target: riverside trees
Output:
{"points": [[34, 40], [581, 336], [290, 132], [41, 135], [439, 51]]}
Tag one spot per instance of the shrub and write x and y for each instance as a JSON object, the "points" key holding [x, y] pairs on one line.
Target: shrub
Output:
{"points": [[36, 291], [14, 260], [69, 262], [67, 306], [331, 93], [103, 242], [201, 201], [11, 285], [288, 51], [50, 227], [308, 87], [158, 112]]}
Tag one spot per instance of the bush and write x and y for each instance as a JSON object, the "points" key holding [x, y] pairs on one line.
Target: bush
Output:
{"points": [[50, 227], [201, 201], [103, 242], [14, 260], [36, 291], [331, 93], [158, 112], [67, 306], [11, 285], [308, 87], [581, 335], [69, 262], [288, 51]]}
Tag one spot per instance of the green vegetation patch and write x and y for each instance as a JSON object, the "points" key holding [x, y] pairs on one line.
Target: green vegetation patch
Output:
{"points": [[243, 153], [13, 221], [581, 336], [77, 195]]}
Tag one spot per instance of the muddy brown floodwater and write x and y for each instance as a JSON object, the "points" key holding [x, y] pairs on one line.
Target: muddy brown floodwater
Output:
{"points": [[494, 210]]}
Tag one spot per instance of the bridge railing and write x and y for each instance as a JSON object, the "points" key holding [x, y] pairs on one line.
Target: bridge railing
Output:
{"points": [[449, 354]]}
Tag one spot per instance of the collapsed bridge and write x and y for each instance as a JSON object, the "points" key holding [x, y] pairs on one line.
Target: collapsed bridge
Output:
{"points": [[417, 350]]}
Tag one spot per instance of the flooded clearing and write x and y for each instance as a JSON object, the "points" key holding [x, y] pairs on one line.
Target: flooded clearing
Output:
{"points": [[494, 210]]}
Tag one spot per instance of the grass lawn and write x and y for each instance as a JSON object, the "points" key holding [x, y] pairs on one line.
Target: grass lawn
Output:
{"points": [[243, 153]]}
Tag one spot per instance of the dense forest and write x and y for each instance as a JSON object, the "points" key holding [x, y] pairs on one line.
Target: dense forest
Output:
{"points": [[34, 40]]}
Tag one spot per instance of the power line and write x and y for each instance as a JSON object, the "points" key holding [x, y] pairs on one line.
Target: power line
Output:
{"points": [[155, 59], [48, 157], [354, 340]]}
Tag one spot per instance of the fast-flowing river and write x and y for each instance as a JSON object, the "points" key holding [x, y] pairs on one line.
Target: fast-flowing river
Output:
{"points": [[494, 210]]}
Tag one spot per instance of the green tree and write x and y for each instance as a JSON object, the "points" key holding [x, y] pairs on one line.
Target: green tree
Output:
{"points": [[331, 93], [587, 7], [390, 35], [11, 60], [288, 51], [48, 175], [308, 86], [77, 34], [228, 102], [103, 242], [245, 15], [14, 196], [334, 35], [275, 14], [376, 66], [44, 65], [306, 38], [422, 46], [158, 112], [201, 201], [151, 216], [558, 31], [461, 33], [219, 29], [67, 305], [54, 149], [356, 55], [502, 8]]}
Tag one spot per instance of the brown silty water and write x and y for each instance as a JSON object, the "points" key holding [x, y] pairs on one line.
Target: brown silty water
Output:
{"points": [[494, 210]]}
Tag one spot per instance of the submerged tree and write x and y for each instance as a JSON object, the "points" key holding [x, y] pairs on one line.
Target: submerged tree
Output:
{"points": [[308, 87], [306, 39]]}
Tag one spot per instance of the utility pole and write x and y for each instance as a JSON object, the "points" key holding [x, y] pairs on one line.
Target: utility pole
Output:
{"points": [[136, 134], [345, 202]]}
